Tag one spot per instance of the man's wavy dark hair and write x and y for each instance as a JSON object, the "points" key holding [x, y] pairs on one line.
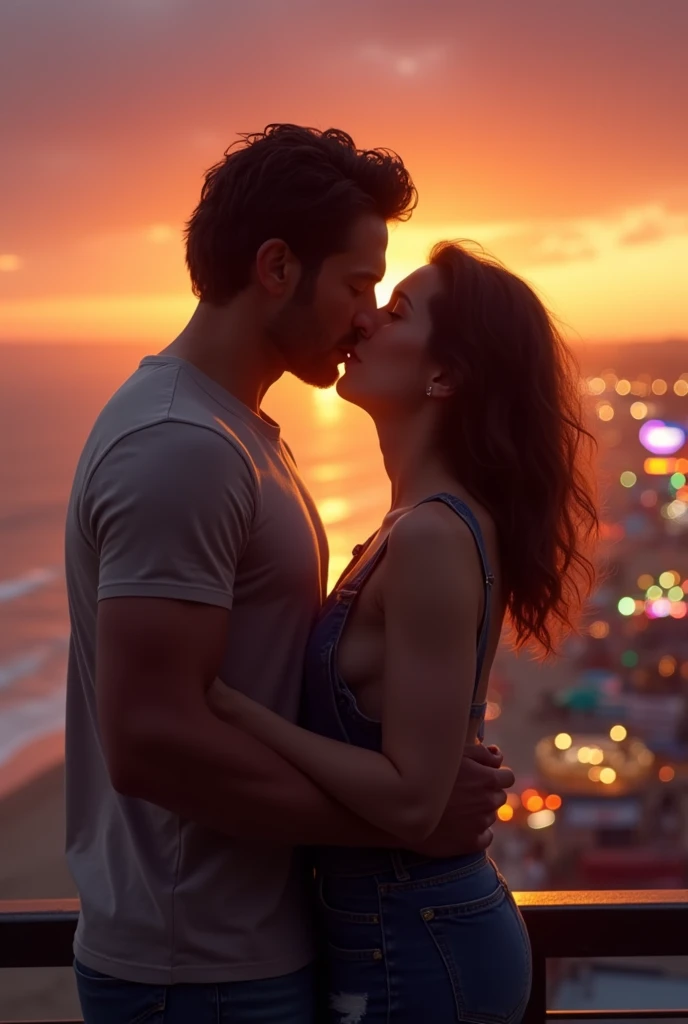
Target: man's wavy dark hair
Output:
{"points": [[298, 184]]}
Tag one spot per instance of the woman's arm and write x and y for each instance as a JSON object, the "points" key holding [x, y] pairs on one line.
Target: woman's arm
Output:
{"points": [[432, 591]]}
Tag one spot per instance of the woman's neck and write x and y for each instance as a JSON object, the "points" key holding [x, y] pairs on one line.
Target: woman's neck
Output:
{"points": [[412, 461]]}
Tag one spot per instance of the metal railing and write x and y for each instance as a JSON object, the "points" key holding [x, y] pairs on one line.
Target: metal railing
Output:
{"points": [[561, 924]]}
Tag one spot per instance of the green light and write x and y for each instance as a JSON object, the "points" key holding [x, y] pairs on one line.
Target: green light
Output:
{"points": [[628, 479], [654, 593], [626, 606], [675, 594], [629, 659], [677, 480]]}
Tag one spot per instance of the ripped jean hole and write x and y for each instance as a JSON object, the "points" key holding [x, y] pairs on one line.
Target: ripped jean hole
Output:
{"points": [[352, 1007]]}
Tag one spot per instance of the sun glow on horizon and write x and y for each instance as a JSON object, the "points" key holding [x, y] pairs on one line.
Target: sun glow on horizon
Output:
{"points": [[597, 283]]}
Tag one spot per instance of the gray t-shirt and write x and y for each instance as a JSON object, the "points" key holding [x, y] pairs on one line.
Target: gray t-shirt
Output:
{"points": [[182, 492]]}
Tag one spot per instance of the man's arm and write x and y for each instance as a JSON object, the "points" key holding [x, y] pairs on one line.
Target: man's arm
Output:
{"points": [[162, 743]]}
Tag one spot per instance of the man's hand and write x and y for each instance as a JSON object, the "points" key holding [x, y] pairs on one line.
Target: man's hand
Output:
{"points": [[478, 794]]}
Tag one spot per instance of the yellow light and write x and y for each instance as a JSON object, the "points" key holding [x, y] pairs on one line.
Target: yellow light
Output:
{"points": [[681, 387], [607, 776], [653, 593], [659, 467], [553, 802], [666, 773], [596, 386], [668, 579], [505, 813], [605, 412], [638, 410], [534, 803], [596, 755], [618, 733], [541, 819], [645, 581], [599, 630], [623, 387], [659, 387], [584, 755], [563, 741]]}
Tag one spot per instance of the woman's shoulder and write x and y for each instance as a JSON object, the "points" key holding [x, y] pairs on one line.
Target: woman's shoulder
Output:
{"points": [[429, 535]]}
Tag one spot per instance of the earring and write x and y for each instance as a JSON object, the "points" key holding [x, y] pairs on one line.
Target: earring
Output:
{"points": [[428, 390]]}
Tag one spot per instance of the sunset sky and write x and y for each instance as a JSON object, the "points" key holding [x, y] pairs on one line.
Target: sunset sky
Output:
{"points": [[555, 133]]}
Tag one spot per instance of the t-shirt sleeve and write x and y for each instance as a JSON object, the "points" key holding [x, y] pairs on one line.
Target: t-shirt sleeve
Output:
{"points": [[169, 510]]}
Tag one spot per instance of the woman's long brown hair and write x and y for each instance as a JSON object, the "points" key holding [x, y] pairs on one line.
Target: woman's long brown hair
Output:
{"points": [[515, 437]]}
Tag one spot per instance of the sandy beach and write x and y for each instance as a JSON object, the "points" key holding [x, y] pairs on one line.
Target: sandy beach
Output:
{"points": [[32, 866]]}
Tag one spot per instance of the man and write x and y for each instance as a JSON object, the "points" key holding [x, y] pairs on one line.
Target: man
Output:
{"points": [[194, 550]]}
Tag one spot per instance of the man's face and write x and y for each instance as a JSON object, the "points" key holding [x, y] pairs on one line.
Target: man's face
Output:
{"points": [[314, 332]]}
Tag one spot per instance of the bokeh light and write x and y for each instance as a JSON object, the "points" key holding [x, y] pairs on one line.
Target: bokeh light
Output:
{"points": [[661, 438], [541, 819]]}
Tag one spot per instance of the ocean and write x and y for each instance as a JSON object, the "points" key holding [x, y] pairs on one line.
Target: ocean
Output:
{"points": [[49, 398]]}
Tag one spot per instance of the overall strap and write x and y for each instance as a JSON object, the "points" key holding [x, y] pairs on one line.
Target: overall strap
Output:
{"points": [[464, 512]]}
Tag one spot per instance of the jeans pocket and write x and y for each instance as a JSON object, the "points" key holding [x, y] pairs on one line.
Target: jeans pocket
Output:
{"points": [[485, 949], [107, 1000]]}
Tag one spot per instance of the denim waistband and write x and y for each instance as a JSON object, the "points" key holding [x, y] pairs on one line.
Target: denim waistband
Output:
{"points": [[358, 862]]}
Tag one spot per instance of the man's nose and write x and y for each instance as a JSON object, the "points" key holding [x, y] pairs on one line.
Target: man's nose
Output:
{"points": [[366, 323]]}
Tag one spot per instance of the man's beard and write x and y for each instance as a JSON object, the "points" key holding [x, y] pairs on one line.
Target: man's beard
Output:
{"points": [[296, 337]]}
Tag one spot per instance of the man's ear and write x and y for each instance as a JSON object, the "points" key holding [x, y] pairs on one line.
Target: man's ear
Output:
{"points": [[277, 270]]}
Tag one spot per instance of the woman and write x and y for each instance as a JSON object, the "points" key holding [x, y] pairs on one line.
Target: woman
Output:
{"points": [[478, 417]]}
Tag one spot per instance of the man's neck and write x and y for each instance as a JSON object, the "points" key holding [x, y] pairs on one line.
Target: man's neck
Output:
{"points": [[226, 344]]}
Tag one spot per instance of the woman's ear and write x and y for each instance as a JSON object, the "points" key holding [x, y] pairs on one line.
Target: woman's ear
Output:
{"points": [[443, 383]]}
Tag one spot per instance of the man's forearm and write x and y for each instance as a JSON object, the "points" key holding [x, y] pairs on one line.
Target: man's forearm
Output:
{"points": [[222, 778]]}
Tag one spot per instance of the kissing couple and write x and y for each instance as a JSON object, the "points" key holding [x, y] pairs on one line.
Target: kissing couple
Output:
{"points": [[279, 801]]}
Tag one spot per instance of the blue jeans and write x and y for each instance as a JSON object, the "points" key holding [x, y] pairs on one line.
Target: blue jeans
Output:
{"points": [[286, 1000], [409, 940]]}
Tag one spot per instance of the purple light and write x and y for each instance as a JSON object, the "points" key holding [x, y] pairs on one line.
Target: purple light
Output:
{"points": [[661, 438]]}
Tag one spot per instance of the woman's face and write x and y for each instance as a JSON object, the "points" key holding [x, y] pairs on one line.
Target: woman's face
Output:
{"points": [[390, 371]]}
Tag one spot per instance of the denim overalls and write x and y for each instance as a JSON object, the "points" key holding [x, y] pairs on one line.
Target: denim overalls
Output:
{"points": [[407, 938]]}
